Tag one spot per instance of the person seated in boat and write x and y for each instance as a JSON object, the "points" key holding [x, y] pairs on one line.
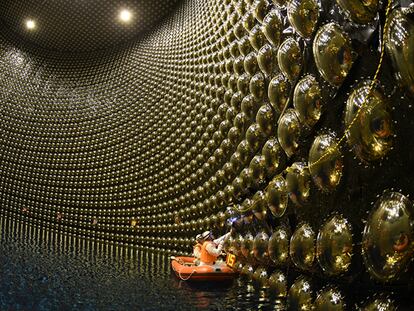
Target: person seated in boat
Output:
{"points": [[210, 250], [197, 249]]}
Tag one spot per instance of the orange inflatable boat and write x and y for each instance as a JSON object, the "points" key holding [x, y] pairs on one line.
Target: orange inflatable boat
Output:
{"points": [[185, 269]]}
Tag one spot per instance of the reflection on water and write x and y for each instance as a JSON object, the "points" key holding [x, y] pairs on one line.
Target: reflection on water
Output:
{"points": [[41, 270]]}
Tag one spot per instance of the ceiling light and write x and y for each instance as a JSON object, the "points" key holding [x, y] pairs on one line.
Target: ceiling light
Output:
{"points": [[125, 16], [30, 24]]}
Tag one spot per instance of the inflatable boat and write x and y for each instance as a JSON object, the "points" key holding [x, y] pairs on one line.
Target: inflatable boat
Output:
{"points": [[185, 269]]}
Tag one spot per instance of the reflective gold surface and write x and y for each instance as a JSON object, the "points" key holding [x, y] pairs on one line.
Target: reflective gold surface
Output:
{"points": [[303, 16], [288, 132], [371, 135], [261, 277], [260, 246], [334, 248], [387, 242], [259, 205], [260, 8], [272, 27], [256, 37], [325, 162], [330, 300], [290, 59], [307, 100], [247, 270], [278, 247], [278, 92], [257, 86], [236, 245], [298, 183], [333, 53], [400, 46], [278, 284], [302, 247], [258, 169], [266, 118], [380, 304], [277, 196], [300, 295], [360, 11], [266, 58], [275, 157], [255, 136], [280, 3], [246, 246]]}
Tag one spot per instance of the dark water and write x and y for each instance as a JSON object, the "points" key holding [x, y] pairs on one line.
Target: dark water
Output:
{"points": [[41, 270], [50, 273]]}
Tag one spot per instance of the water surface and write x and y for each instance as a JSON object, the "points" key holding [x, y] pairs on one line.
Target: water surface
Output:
{"points": [[42, 271]]}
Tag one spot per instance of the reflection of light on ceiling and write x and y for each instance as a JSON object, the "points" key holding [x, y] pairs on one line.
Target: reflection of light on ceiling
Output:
{"points": [[125, 16], [30, 24]]}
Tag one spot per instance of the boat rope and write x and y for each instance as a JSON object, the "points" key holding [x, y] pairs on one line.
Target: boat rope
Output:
{"points": [[189, 276], [181, 262]]}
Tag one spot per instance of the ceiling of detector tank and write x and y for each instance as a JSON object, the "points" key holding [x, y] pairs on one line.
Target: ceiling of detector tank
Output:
{"points": [[78, 25]]}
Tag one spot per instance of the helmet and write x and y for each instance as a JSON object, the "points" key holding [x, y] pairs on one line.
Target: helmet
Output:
{"points": [[198, 238], [206, 235]]}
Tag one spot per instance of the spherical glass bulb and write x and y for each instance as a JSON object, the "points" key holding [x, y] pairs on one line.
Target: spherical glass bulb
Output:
{"points": [[325, 162], [360, 11], [303, 16], [261, 277], [278, 92], [334, 247], [277, 196], [330, 299], [272, 27], [300, 295], [380, 304], [400, 46], [333, 53], [307, 100], [371, 134], [290, 60], [288, 132], [278, 247], [275, 157], [260, 246], [302, 247], [387, 239], [278, 284], [298, 183]]}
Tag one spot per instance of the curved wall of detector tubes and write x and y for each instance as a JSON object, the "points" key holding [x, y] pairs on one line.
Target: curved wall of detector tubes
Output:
{"points": [[256, 115]]}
